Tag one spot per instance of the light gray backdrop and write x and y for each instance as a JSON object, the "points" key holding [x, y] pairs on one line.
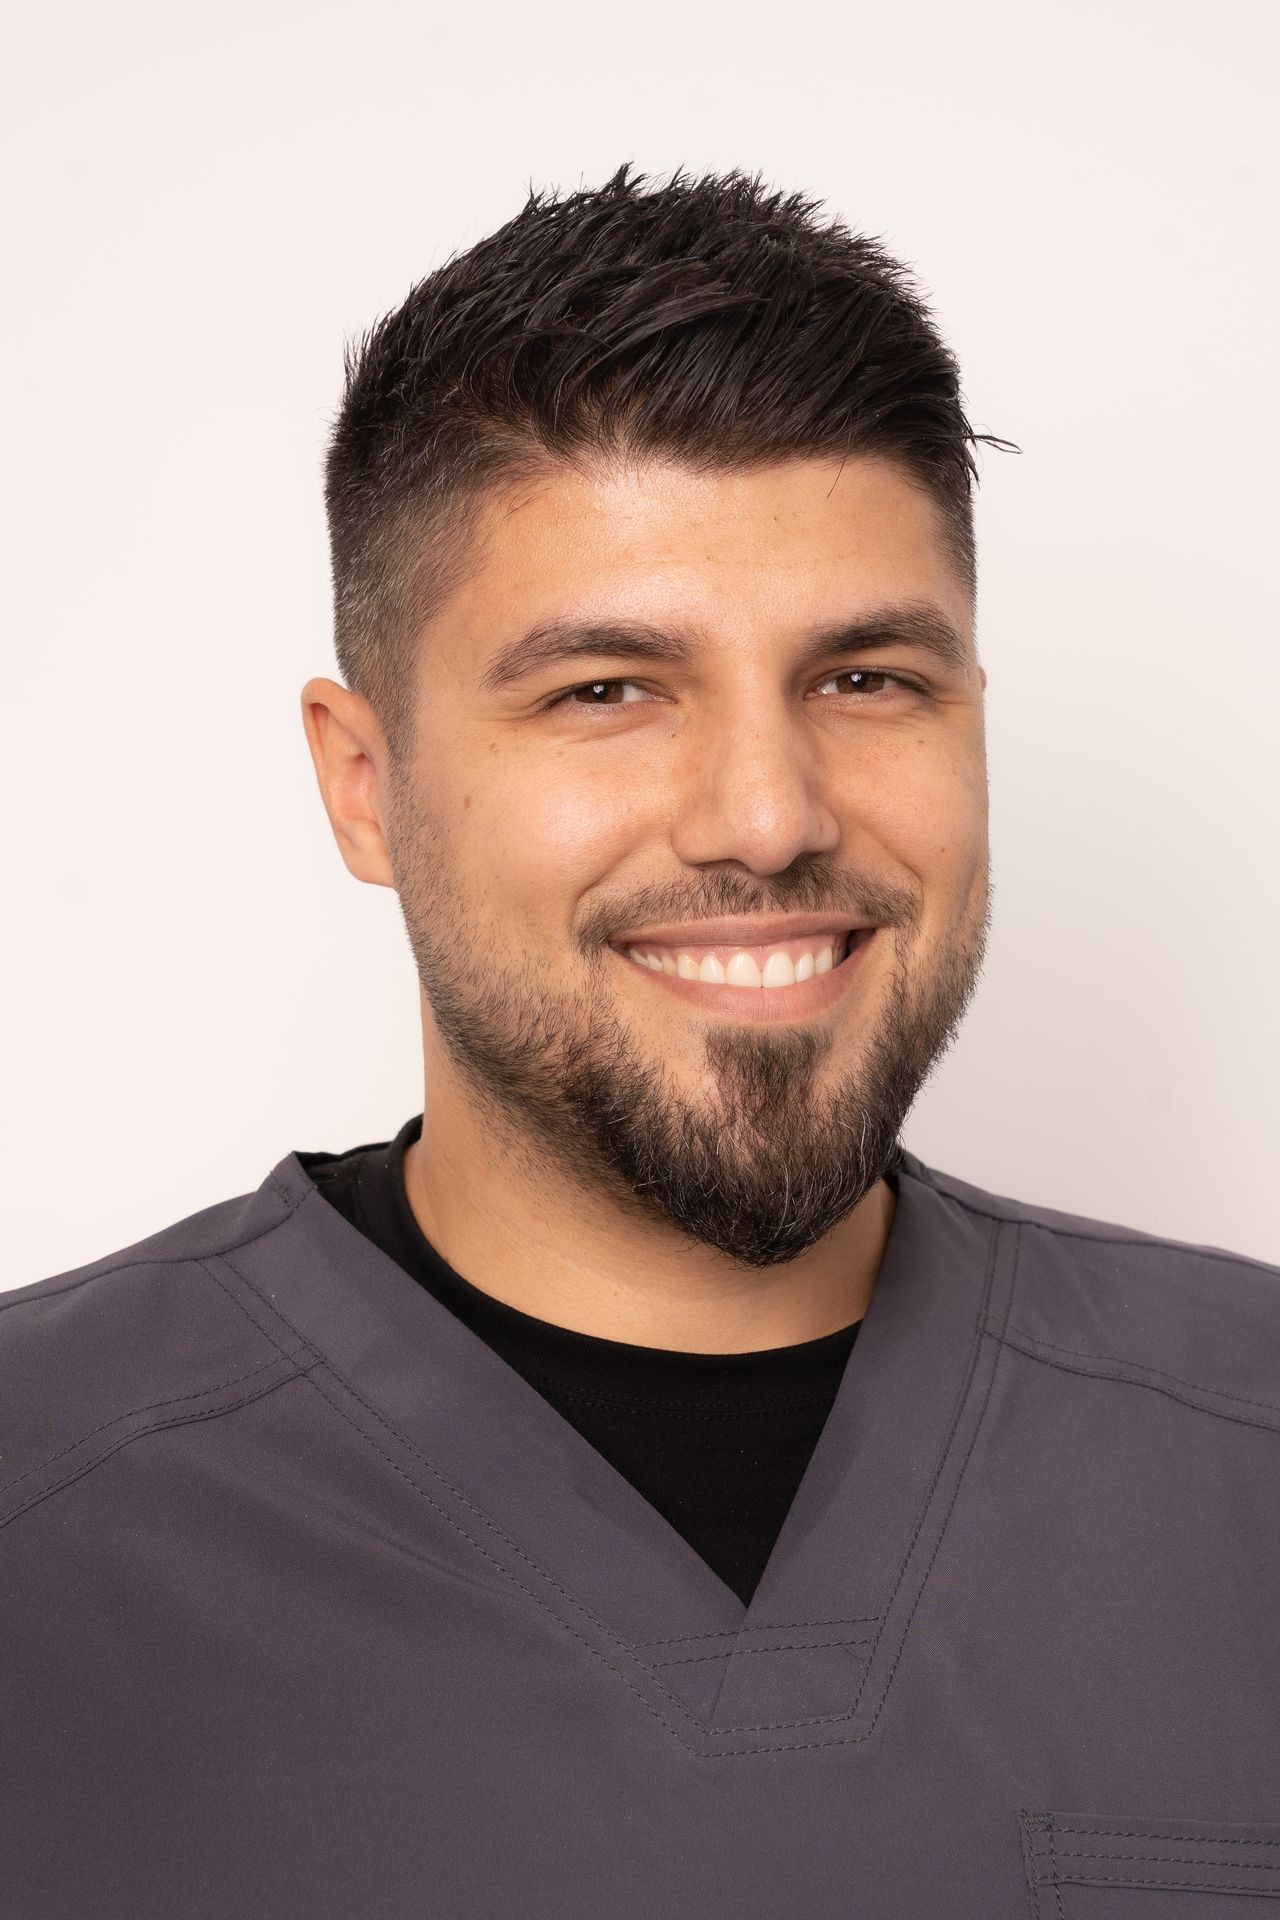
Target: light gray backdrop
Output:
{"points": [[211, 199]]}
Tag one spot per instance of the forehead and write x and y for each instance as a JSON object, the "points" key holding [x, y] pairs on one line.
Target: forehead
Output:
{"points": [[778, 547]]}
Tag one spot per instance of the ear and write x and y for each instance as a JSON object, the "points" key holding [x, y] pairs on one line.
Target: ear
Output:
{"points": [[982, 675], [350, 758]]}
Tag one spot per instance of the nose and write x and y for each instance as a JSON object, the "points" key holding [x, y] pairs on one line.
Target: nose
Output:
{"points": [[752, 789]]}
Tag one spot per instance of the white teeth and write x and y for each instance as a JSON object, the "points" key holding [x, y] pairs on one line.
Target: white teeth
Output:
{"points": [[778, 971], [741, 969]]}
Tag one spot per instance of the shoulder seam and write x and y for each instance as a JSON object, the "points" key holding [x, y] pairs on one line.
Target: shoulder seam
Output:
{"points": [[1134, 1237], [1113, 1360], [304, 1346], [172, 1259], [186, 1418], [1121, 1371]]}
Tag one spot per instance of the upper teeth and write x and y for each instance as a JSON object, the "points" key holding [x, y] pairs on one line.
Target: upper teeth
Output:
{"points": [[739, 968]]}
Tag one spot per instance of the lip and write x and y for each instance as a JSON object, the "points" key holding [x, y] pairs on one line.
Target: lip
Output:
{"points": [[764, 1006], [770, 929]]}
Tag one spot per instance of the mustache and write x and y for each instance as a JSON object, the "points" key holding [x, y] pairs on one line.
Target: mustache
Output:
{"points": [[847, 895]]}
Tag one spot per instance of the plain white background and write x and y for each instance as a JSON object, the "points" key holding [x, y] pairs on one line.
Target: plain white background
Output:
{"points": [[211, 200]]}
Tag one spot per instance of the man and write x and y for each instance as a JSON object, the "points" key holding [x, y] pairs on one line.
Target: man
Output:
{"points": [[642, 1486]]}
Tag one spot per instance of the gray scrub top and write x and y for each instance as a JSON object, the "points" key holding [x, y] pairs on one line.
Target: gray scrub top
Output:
{"points": [[311, 1606]]}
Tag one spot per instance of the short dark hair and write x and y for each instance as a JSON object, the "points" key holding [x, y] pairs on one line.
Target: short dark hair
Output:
{"points": [[711, 320]]}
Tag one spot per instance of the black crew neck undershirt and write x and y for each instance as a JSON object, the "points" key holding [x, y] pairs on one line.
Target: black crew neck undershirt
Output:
{"points": [[717, 1442]]}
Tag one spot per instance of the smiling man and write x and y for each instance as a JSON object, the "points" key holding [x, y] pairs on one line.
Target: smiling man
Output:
{"points": [[642, 1486], [689, 934]]}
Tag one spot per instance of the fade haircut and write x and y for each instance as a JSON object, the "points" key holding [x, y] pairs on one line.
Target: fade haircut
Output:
{"points": [[709, 320]]}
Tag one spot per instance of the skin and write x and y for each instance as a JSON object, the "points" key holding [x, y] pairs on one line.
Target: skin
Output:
{"points": [[522, 839]]}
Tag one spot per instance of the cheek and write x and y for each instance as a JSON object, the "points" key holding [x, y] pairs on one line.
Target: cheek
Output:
{"points": [[926, 809], [547, 832]]}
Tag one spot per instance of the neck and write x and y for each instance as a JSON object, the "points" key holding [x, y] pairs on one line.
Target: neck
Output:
{"points": [[516, 1229]]}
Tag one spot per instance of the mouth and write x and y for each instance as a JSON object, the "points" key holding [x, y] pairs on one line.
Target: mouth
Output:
{"points": [[790, 979]]}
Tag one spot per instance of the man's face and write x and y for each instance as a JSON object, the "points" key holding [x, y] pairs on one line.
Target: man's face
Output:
{"points": [[794, 745]]}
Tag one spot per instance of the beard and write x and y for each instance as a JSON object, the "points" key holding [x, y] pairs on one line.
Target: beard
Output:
{"points": [[768, 1161]]}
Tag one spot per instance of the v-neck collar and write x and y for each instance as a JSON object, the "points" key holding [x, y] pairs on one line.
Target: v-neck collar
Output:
{"points": [[557, 1360], [536, 1499]]}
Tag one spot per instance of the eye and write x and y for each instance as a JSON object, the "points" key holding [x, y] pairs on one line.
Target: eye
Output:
{"points": [[865, 675], [597, 692]]}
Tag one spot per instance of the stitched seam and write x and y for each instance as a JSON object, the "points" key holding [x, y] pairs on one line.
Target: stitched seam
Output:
{"points": [[733, 1653], [945, 1454], [271, 1307], [1032, 1824], [1176, 1860], [778, 1626], [1130, 1380], [252, 1318], [1053, 1863], [488, 1521], [926, 1507], [1173, 1886], [165, 1259], [495, 1562], [937, 1544], [1150, 1241], [1132, 1833], [1114, 1360], [154, 1426], [579, 1605], [176, 1400], [992, 1252]]}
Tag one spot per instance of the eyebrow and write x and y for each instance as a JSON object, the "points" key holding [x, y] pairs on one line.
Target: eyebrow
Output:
{"points": [[922, 627]]}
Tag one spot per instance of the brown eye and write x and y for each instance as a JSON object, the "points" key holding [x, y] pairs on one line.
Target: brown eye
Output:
{"points": [[868, 683], [597, 693]]}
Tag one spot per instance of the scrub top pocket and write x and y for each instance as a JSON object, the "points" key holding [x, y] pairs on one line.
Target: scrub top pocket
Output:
{"points": [[1110, 1867]]}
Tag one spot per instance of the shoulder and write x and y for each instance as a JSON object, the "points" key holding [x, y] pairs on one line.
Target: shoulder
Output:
{"points": [[154, 1334], [1196, 1322]]}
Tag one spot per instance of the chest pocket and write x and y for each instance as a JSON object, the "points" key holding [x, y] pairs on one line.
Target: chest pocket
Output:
{"points": [[1105, 1867]]}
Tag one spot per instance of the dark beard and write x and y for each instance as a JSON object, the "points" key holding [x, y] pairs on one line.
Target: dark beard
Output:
{"points": [[760, 1173]]}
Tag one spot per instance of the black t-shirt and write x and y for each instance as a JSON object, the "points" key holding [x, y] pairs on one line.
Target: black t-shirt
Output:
{"points": [[717, 1442]]}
